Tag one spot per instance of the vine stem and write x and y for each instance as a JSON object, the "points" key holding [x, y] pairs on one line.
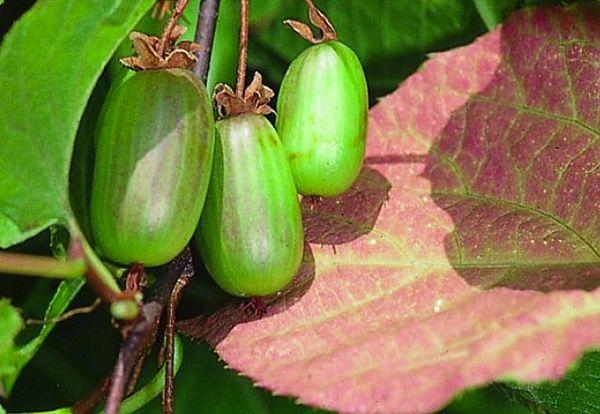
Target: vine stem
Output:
{"points": [[243, 48], [205, 33]]}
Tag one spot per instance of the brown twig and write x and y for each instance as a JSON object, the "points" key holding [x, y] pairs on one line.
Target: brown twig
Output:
{"points": [[177, 13], [205, 33], [169, 357], [87, 404], [243, 48], [67, 315], [135, 374]]}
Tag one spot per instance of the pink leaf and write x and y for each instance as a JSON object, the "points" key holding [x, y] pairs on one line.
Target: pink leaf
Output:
{"points": [[483, 263]]}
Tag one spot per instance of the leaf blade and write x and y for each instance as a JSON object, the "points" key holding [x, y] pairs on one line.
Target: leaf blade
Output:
{"points": [[42, 103]]}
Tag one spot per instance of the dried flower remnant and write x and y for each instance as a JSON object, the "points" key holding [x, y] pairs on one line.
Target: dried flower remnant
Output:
{"points": [[175, 55], [255, 100]]}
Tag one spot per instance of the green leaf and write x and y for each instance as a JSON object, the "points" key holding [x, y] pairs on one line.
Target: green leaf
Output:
{"points": [[48, 67], [577, 392], [11, 324], [64, 295]]}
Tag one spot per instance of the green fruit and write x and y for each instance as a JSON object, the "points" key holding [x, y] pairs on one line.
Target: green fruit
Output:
{"points": [[154, 154], [322, 118], [250, 235]]}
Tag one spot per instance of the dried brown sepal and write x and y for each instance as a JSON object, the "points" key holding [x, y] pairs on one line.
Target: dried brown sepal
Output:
{"points": [[255, 100], [319, 20], [175, 56]]}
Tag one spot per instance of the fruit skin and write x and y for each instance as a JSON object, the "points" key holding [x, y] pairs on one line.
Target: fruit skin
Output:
{"points": [[154, 152], [250, 235], [322, 114]]}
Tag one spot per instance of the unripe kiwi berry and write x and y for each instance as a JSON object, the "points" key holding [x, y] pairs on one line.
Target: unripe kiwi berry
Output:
{"points": [[250, 235], [154, 154], [322, 118]]}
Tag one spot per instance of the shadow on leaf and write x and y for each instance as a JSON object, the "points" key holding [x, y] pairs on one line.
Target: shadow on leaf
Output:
{"points": [[339, 220], [513, 167]]}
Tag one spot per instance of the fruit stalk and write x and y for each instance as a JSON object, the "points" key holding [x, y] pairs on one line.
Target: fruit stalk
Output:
{"points": [[243, 48], [177, 13]]}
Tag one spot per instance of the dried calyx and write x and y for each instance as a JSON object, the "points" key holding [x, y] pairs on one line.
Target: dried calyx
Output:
{"points": [[255, 99], [174, 56], [319, 20]]}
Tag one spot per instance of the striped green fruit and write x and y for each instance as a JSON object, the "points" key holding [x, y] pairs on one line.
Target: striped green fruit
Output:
{"points": [[250, 235], [322, 118], [154, 152]]}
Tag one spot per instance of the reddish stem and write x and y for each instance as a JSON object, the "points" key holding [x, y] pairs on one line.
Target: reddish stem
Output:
{"points": [[176, 294], [243, 48], [166, 36]]}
